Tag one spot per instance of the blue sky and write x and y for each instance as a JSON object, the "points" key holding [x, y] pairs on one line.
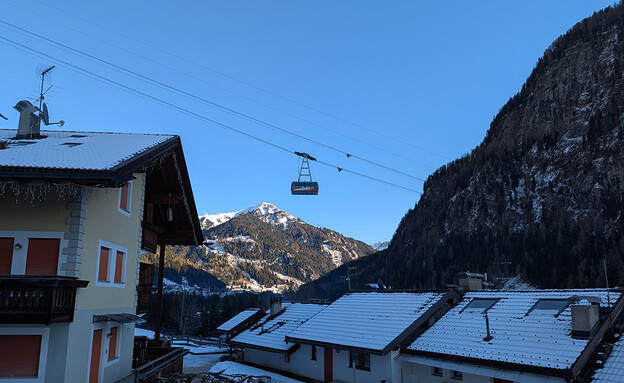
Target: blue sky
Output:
{"points": [[407, 84]]}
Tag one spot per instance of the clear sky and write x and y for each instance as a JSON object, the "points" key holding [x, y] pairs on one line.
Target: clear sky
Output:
{"points": [[410, 85]]}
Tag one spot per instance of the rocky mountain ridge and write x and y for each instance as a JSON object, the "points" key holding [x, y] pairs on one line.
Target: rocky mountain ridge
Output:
{"points": [[264, 248], [541, 196]]}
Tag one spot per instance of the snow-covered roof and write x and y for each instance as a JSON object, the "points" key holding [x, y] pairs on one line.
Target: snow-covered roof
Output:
{"points": [[524, 332], [270, 333], [75, 150], [613, 369], [371, 321], [238, 319]]}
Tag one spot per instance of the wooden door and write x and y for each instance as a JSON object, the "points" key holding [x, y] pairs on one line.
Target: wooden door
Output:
{"points": [[96, 351], [6, 255], [42, 257], [329, 364]]}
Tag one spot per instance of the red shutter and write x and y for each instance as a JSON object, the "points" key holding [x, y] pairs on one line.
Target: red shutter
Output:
{"points": [[42, 256], [123, 202], [22, 355], [112, 344], [96, 349], [6, 255], [119, 266], [103, 271]]}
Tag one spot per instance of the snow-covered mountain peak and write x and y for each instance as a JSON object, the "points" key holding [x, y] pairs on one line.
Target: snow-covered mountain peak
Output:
{"points": [[380, 245], [267, 212]]}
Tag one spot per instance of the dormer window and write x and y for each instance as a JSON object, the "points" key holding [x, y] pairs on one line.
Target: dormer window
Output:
{"points": [[480, 305], [125, 198], [549, 306]]}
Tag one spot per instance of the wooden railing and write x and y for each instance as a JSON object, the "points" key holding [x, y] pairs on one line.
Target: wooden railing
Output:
{"points": [[153, 359], [38, 299]]}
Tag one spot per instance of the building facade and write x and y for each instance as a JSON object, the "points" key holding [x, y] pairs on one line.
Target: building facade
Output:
{"points": [[76, 211]]}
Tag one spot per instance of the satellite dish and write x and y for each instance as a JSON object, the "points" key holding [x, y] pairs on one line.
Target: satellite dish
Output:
{"points": [[45, 115]]}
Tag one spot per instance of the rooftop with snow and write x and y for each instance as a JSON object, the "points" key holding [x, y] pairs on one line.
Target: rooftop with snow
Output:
{"points": [[374, 322], [527, 328], [269, 333], [76, 150]]}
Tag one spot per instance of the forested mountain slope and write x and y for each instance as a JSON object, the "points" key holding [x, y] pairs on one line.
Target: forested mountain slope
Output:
{"points": [[541, 196]]}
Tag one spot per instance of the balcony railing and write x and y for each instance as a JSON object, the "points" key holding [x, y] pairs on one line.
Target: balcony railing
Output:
{"points": [[153, 359], [38, 299]]}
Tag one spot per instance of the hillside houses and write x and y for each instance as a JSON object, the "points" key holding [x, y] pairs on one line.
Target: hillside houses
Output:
{"points": [[482, 337], [77, 210]]}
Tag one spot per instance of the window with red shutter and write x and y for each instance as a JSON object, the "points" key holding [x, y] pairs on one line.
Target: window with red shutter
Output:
{"points": [[112, 343], [6, 255], [23, 358], [125, 193], [119, 263], [104, 260], [42, 256]]}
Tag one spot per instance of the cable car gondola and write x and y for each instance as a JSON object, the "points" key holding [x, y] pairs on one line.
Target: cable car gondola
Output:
{"points": [[300, 187]]}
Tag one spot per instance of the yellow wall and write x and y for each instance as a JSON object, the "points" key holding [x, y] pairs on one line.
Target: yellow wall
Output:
{"points": [[105, 222], [46, 215]]}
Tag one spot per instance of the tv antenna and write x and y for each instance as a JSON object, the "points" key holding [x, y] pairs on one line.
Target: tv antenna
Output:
{"points": [[43, 108]]}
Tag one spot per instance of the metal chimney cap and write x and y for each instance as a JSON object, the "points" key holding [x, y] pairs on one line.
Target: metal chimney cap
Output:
{"points": [[25, 106]]}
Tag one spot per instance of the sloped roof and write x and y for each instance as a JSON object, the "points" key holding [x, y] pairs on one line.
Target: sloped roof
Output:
{"points": [[613, 369], [370, 321], [76, 150], [238, 319], [540, 338], [270, 333]]}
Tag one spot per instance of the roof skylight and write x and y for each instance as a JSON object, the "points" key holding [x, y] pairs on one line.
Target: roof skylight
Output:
{"points": [[480, 304], [549, 306]]}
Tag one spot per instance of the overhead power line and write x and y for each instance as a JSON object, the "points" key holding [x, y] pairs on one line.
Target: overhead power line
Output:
{"points": [[160, 63], [182, 58], [178, 108], [206, 101]]}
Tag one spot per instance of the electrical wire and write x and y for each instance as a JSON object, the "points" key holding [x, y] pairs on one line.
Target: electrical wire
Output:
{"points": [[245, 82], [207, 102], [131, 52], [173, 106]]}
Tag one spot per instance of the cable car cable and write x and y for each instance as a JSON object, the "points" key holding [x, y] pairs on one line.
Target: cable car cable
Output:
{"points": [[239, 80], [186, 111], [211, 103]]}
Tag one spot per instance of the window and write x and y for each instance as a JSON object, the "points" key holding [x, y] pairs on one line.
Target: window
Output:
{"points": [[457, 375], [6, 255], [125, 198], [549, 306], [23, 359], [361, 360], [111, 265], [119, 263], [436, 371], [313, 356], [26, 360], [480, 305], [104, 261], [113, 337]]}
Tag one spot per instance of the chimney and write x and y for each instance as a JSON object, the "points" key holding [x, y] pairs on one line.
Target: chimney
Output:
{"points": [[276, 305], [585, 318], [29, 122]]}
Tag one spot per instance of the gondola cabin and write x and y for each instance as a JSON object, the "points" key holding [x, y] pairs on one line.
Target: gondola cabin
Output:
{"points": [[304, 188]]}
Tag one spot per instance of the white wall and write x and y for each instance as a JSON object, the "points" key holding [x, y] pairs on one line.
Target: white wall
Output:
{"points": [[416, 373], [381, 368]]}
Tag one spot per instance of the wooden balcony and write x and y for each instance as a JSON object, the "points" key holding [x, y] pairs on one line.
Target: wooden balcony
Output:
{"points": [[154, 359], [38, 299]]}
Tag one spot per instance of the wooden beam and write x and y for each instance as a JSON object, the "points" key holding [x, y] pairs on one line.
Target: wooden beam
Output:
{"points": [[163, 198], [161, 271]]}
